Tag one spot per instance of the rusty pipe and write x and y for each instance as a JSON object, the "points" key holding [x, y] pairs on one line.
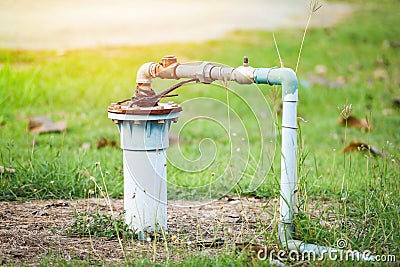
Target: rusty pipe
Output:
{"points": [[205, 72]]}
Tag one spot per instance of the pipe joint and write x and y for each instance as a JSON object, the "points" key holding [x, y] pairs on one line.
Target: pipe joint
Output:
{"points": [[145, 73], [165, 72], [203, 73], [279, 76], [243, 75], [166, 69]]}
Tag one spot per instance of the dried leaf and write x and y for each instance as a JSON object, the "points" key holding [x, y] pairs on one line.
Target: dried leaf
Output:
{"points": [[6, 170], [362, 147], [43, 124], [396, 103], [354, 122], [103, 142]]}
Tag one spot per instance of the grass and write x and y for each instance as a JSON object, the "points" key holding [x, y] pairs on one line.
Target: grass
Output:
{"points": [[78, 85]]}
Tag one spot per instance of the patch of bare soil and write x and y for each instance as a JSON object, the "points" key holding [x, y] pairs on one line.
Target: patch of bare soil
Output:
{"points": [[36, 230]]}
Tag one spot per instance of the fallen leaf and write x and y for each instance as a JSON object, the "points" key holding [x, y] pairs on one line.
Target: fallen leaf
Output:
{"points": [[103, 142], [362, 147], [6, 170], [353, 121], [43, 124], [396, 103]]}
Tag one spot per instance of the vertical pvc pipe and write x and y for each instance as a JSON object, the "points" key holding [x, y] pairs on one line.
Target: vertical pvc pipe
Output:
{"points": [[288, 184], [144, 139], [288, 162], [145, 190]]}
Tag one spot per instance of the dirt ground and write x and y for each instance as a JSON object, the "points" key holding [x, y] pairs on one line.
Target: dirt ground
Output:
{"points": [[36, 230], [65, 24]]}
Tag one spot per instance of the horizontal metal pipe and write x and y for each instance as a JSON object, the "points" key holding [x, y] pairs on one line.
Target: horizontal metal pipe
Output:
{"points": [[205, 72]]}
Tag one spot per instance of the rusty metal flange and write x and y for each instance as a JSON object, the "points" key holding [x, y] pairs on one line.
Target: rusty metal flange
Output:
{"points": [[161, 108]]}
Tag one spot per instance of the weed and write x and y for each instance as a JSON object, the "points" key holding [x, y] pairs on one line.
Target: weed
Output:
{"points": [[99, 225], [314, 6]]}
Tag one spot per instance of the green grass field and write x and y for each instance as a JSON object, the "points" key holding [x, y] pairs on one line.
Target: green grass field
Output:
{"points": [[360, 62]]}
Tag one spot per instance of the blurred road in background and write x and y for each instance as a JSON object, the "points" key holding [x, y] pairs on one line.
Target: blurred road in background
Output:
{"points": [[66, 24]]}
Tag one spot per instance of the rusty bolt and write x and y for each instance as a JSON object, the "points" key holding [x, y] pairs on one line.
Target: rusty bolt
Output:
{"points": [[245, 61]]}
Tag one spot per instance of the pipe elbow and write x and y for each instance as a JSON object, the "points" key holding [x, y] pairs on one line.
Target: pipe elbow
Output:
{"points": [[288, 77], [289, 85], [279, 76], [144, 75]]}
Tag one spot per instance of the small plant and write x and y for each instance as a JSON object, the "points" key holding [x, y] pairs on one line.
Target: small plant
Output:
{"points": [[99, 225]]}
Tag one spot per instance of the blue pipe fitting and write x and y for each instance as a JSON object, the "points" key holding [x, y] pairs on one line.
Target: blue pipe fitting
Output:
{"points": [[279, 76]]}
